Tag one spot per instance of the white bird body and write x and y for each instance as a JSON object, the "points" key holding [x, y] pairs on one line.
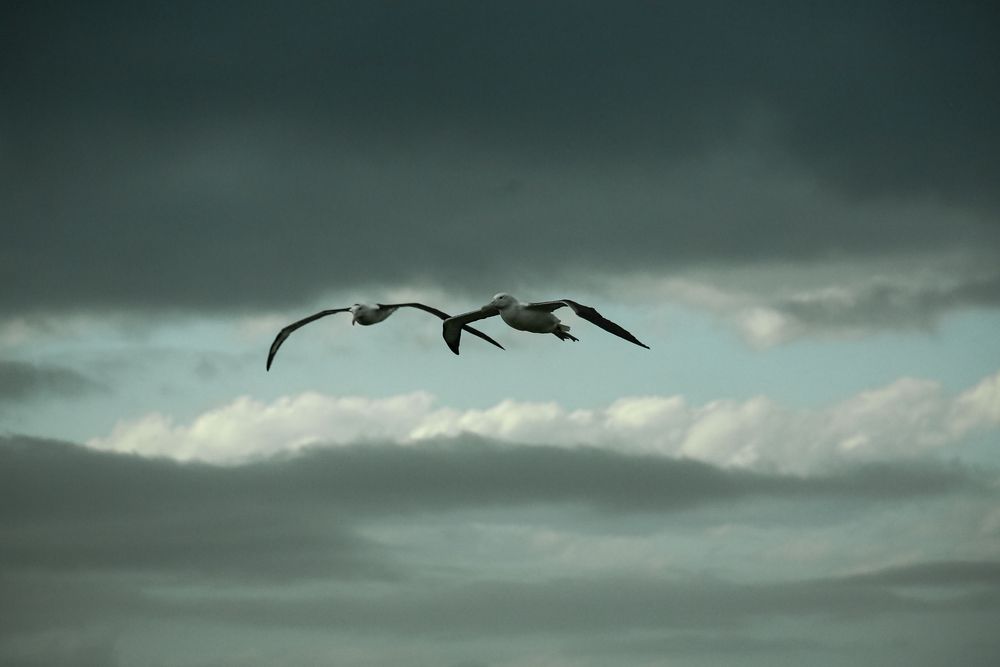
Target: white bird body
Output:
{"points": [[367, 314], [531, 317], [518, 317]]}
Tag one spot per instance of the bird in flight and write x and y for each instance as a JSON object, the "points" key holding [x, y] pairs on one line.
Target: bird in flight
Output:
{"points": [[365, 314], [533, 317]]}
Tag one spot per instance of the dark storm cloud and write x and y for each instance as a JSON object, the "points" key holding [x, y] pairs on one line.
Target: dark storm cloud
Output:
{"points": [[232, 155], [393, 479], [627, 616], [66, 508], [93, 543], [20, 381], [624, 615], [49, 602]]}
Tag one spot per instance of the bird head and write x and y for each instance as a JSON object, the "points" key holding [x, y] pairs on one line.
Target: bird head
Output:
{"points": [[502, 300]]}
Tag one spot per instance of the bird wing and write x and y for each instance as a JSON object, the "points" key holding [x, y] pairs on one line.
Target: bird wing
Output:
{"points": [[452, 327], [441, 315], [590, 314], [287, 331]]}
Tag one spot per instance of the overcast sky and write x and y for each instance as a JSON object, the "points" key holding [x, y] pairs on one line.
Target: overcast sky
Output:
{"points": [[795, 205]]}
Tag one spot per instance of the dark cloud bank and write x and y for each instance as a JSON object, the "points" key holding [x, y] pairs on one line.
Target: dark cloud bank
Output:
{"points": [[233, 155], [392, 479], [96, 545], [71, 509]]}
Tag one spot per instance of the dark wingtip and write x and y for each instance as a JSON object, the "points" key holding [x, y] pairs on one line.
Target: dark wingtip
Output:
{"points": [[452, 345]]}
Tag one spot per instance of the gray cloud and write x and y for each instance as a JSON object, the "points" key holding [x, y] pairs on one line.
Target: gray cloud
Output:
{"points": [[98, 545], [946, 574], [614, 603], [628, 617], [574, 606], [20, 381], [66, 510], [37, 604], [50, 649], [207, 157], [887, 305], [590, 619], [392, 479], [70, 509]]}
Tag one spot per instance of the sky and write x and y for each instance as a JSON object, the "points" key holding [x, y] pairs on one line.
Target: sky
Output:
{"points": [[793, 204]]}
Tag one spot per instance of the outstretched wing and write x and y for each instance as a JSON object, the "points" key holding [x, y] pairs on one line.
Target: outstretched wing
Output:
{"points": [[452, 327], [442, 315], [287, 331], [589, 314]]}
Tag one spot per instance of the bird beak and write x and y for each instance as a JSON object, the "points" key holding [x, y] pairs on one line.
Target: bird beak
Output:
{"points": [[354, 320]]}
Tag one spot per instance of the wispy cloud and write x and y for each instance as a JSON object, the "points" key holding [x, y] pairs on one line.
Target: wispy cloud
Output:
{"points": [[22, 381], [836, 301]]}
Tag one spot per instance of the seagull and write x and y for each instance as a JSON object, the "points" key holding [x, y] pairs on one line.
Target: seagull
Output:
{"points": [[365, 314], [533, 317]]}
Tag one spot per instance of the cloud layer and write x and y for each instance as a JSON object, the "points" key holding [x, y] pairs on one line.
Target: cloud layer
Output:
{"points": [[177, 180], [907, 419], [458, 473], [854, 301], [346, 542], [218, 158]]}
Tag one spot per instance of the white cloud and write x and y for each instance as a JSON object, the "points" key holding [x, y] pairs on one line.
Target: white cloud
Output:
{"points": [[247, 428], [907, 418], [977, 406], [765, 327]]}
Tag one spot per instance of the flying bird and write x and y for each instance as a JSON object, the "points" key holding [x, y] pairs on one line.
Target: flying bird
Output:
{"points": [[533, 317], [365, 314]]}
